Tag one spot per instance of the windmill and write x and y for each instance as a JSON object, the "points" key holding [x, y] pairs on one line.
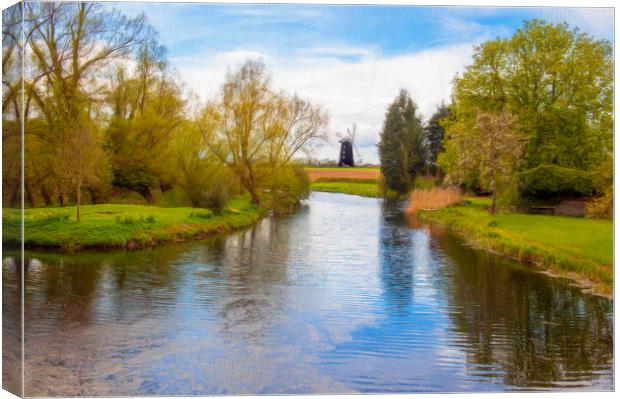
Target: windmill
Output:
{"points": [[347, 145]]}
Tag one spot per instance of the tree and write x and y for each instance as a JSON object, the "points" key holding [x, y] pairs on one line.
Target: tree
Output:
{"points": [[492, 148], [435, 133], [558, 84], [147, 111], [254, 130], [68, 45], [12, 67], [401, 147]]}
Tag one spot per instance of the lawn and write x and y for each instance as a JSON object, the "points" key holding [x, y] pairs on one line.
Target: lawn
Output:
{"points": [[566, 245], [112, 225]]}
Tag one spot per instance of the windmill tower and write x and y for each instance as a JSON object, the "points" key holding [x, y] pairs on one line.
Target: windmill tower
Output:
{"points": [[347, 145]]}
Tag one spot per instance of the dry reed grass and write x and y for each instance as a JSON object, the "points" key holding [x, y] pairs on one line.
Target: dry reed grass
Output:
{"points": [[434, 198]]}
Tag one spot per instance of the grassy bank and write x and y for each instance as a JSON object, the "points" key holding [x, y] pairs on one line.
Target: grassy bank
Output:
{"points": [[123, 226], [348, 187], [577, 248]]}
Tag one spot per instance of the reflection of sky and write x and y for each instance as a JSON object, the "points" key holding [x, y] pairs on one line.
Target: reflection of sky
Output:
{"points": [[340, 296]]}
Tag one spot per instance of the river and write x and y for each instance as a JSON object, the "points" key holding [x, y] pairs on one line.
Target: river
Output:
{"points": [[342, 296]]}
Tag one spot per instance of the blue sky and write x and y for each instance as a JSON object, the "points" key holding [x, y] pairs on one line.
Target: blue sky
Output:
{"points": [[349, 59]]}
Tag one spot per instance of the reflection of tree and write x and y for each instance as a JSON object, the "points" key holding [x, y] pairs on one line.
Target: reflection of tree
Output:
{"points": [[253, 264], [11, 324], [538, 330], [62, 287], [395, 257]]}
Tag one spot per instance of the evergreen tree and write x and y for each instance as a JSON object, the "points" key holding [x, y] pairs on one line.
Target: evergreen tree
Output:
{"points": [[401, 147], [435, 133]]}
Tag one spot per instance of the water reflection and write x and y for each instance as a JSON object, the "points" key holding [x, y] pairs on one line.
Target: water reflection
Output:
{"points": [[538, 332], [342, 296]]}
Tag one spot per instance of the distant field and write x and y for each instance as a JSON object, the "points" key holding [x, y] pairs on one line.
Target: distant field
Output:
{"points": [[343, 173]]}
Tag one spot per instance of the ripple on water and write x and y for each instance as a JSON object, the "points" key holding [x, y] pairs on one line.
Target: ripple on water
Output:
{"points": [[342, 296]]}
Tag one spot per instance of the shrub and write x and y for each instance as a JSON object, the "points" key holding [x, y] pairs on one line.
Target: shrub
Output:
{"points": [[132, 218], [212, 190], [553, 182], [286, 186], [603, 206], [434, 198]]}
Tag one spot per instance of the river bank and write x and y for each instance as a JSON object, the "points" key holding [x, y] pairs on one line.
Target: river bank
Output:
{"points": [[122, 226], [580, 249], [363, 189]]}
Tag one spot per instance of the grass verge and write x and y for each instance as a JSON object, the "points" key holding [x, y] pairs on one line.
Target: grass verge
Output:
{"points": [[122, 226], [577, 248], [347, 187]]}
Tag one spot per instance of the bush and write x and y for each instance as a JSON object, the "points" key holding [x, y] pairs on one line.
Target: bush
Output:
{"points": [[132, 218], [211, 190], [603, 206], [286, 187], [549, 182]]}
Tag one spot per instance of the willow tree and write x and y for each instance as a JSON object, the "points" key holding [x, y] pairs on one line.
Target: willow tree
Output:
{"points": [[253, 129]]}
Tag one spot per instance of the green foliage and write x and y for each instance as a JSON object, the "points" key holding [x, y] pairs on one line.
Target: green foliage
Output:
{"points": [[402, 150], [435, 133], [132, 218], [287, 186], [554, 182], [557, 82]]}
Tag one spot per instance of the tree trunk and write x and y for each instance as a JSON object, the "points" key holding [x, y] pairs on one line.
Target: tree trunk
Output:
{"points": [[493, 196], [46, 196], [255, 198], [78, 198], [14, 197], [30, 195]]}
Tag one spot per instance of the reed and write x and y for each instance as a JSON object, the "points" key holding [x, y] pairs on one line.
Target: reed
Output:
{"points": [[433, 198]]}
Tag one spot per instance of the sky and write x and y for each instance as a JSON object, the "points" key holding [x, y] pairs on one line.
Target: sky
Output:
{"points": [[350, 60]]}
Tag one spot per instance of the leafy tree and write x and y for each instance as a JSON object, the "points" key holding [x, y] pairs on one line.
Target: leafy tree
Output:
{"points": [[491, 148], [558, 84], [147, 112], [401, 146], [435, 133]]}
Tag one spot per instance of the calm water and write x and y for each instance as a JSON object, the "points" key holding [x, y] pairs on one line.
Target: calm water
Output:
{"points": [[342, 296]]}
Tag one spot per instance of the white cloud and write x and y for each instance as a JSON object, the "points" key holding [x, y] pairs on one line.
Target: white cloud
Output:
{"points": [[352, 91]]}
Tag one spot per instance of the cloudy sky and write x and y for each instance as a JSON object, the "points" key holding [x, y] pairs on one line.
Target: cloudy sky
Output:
{"points": [[351, 60]]}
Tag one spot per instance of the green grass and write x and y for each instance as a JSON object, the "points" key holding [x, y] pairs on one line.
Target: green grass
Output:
{"points": [[117, 225], [580, 248], [347, 187], [337, 168]]}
